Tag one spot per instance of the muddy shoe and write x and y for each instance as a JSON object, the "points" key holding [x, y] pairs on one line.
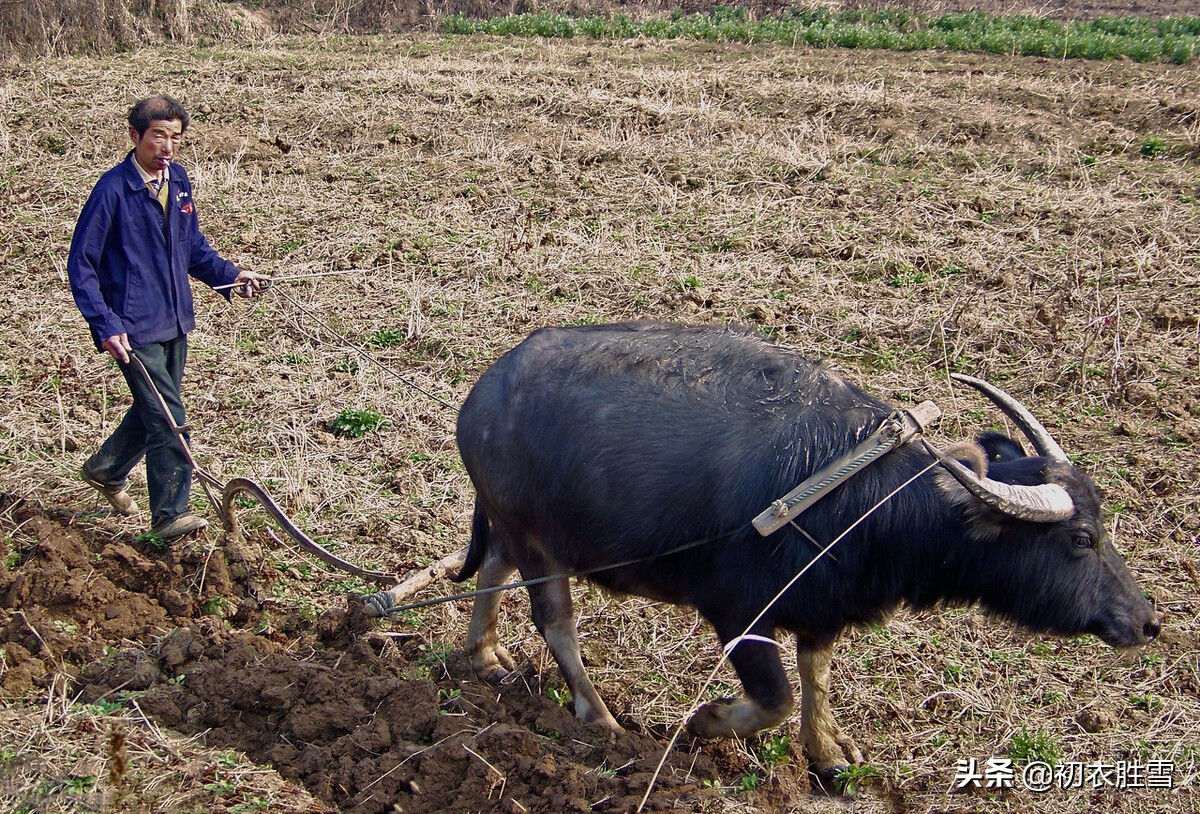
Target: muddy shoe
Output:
{"points": [[117, 497], [172, 527]]}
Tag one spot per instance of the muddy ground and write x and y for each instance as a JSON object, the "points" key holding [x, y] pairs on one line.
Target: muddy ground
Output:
{"points": [[1031, 221]]}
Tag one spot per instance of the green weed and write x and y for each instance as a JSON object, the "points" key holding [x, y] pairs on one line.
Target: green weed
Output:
{"points": [[853, 779], [774, 751], [1042, 649], [1147, 702], [355, 423], [433, 654], [953, 672], [73, 784], [103, 706], [152, 540], [386, 338], [885, 359], [13, 558], [1154, 147], [1036, 746], [908, 278], [221, 788], [1153, 660], [215, 606]]}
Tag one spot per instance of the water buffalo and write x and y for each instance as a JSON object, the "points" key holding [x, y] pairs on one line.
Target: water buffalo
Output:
{"points": [[595, 445]]}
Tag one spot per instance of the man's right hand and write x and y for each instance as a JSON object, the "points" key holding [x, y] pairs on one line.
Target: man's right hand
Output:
{"points": [[118, 347]]}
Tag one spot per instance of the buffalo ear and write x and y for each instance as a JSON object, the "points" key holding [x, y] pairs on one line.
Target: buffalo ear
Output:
{"points": [[1039, 503], [971, 455], [999, 448], [1019, 414]]}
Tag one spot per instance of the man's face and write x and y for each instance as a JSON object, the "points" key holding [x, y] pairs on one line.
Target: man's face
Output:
{"points": [[157, 146]]}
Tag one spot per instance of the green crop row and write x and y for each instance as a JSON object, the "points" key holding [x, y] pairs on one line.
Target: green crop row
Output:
{"points": [[1141, 39]]}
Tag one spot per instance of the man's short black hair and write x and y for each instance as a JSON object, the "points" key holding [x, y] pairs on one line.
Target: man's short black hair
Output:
{"points": [[159, 107]]}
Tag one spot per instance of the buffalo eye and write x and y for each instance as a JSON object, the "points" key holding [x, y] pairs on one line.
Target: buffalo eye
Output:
{"points": [[1083, 541]]}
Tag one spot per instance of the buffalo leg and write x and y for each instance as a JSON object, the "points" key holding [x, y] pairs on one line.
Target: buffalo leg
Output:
{"points": [[554, 616], [768, 698], [490, 661], [829, 749]]}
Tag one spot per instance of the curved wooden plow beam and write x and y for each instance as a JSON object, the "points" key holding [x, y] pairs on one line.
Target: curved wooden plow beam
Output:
{"points": [[229, 519]]}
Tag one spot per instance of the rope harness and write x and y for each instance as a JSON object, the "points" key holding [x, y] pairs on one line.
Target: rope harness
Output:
{"points": [[379, 604]]}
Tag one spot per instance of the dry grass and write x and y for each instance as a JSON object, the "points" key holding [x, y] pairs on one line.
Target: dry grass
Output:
{"points": [[899, 215]]}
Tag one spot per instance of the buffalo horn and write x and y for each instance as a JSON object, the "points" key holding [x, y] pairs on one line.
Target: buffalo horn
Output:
{"points": [[1044, 503], [1020, 415]]}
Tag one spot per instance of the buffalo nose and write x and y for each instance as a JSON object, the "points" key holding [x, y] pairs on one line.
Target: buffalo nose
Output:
{"points": [[1152, 628]]}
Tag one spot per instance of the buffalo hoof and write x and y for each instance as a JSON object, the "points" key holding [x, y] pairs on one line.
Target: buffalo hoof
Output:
{"points": [[493, 675], [733, 718], [492, 664], [609, 726], [708, 722], [839, 756]]}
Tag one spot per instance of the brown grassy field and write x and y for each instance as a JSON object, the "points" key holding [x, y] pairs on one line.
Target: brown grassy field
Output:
{"points": [[901, 216]]}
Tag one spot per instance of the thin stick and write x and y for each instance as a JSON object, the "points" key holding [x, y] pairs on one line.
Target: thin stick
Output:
{"points": [[500, 777], [289, 277]]}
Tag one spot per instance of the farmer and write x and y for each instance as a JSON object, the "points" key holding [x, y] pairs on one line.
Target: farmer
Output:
{"points": [[135, 244]]}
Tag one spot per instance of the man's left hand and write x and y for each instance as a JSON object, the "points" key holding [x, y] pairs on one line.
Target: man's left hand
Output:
{"points": [[252, 284]]}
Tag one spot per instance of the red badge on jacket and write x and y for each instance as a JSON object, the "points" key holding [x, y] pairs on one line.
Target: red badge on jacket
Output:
{"points": [[187, 208]]}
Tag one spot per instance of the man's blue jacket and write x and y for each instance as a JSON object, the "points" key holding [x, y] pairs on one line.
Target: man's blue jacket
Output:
{"points": [[126, 275]]}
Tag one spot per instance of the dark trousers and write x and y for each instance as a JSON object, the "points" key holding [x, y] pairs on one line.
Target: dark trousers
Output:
{"points": [[144, 431]]}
